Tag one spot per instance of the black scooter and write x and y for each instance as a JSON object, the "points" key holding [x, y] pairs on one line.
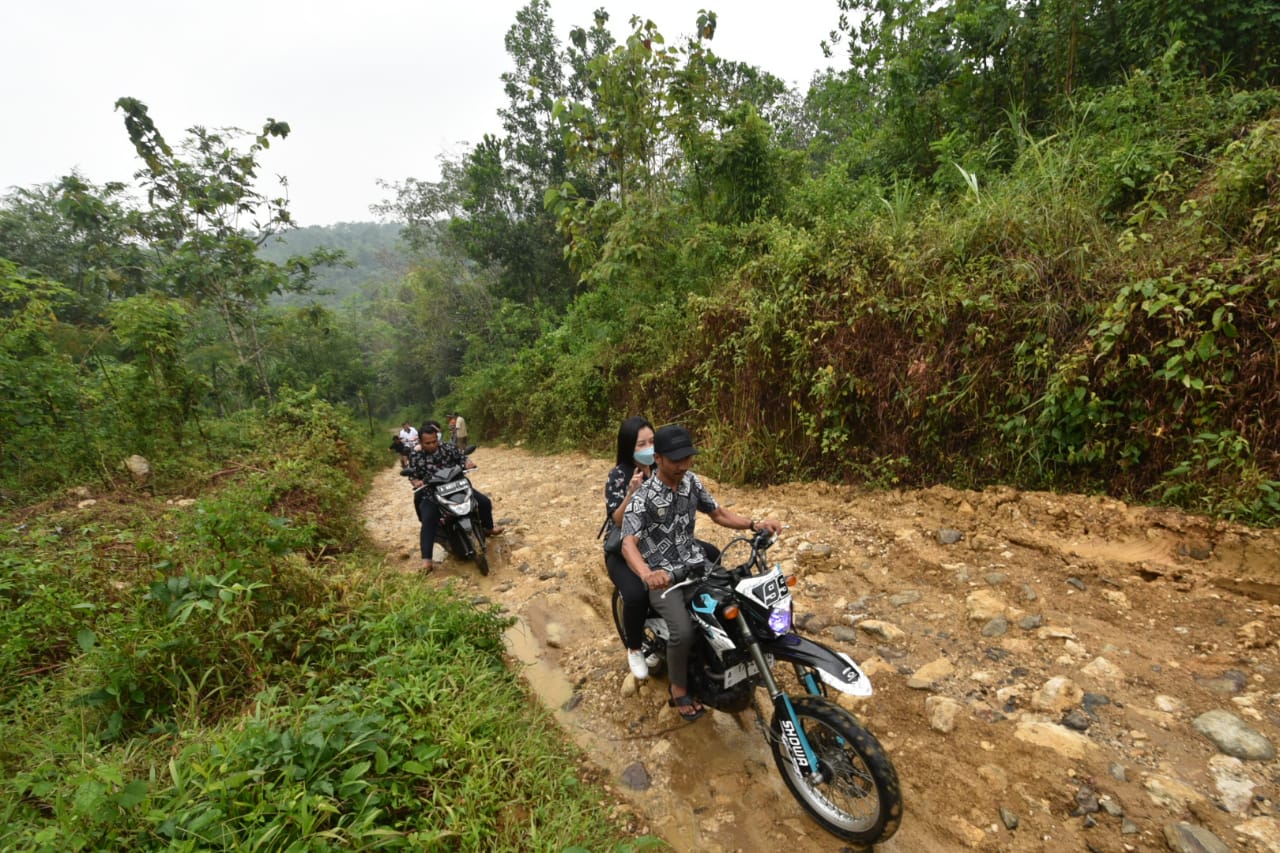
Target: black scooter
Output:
{"points": [[462, 533]]}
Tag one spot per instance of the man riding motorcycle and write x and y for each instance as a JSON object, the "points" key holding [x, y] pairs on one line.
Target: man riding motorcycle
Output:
{"points": [[430, 457], [658, 541]]}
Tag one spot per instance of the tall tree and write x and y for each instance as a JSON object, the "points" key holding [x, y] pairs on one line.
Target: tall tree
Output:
{"points": [[489, 204], [205, 221], [668, 124], [79, 234], [425, 207], [506, 178]]}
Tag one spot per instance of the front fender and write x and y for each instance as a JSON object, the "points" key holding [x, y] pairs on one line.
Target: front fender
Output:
{"points": [[836, 669]]}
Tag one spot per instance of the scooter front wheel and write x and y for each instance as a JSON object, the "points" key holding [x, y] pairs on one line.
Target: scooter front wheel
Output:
{"points": [[481, 558]]}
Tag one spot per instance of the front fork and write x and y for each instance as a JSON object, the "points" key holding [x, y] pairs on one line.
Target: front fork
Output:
{"points": [[790, 731], [469, 535], [809, 679]]}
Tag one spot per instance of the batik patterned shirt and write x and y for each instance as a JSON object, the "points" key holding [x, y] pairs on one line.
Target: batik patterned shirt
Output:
{"points": [[423, 465], [662, 520]]}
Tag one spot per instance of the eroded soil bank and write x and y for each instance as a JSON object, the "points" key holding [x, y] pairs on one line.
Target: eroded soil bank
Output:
{"points": [[1040, 681]]}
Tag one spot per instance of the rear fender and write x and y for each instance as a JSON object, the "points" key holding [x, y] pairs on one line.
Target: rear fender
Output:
{"points": [[836, 669]]}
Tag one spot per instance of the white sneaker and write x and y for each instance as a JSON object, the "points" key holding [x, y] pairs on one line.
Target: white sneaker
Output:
{"points": [[640, 669]]}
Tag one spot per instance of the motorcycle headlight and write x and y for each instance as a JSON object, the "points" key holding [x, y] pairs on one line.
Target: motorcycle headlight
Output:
{"points": [[780, 620]]}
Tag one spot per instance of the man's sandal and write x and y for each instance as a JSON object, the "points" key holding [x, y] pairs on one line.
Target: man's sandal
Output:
{"points": [[680, 703]]}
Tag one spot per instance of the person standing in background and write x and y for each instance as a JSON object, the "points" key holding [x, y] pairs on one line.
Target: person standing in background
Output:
{"points": [[458, 428]]}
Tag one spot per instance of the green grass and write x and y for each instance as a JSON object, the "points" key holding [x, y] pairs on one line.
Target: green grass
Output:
{"points": [[211, 678]]}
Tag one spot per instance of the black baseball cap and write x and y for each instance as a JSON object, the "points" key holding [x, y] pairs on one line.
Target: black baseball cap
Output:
{"points": [[674, 442]]}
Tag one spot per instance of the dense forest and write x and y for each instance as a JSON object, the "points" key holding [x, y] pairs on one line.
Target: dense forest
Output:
{"points": [[1020, 242], [1031, 242]]}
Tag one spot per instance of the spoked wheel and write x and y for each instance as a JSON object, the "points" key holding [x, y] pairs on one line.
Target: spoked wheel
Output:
{"points": [[855, 793], [653, 646]]}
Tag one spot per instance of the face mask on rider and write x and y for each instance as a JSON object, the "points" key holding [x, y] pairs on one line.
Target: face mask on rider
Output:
{"points": [[644, 457]]}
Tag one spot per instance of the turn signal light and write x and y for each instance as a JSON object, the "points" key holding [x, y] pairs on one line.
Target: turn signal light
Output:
{"points": [[791, 580], [731, 612]]}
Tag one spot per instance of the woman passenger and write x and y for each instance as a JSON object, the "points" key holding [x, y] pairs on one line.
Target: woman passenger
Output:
{"points": [[634, 465]]}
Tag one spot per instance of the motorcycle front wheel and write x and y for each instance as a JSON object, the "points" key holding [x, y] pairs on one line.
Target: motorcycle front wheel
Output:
{"points": [[855, 793], [472, 547], [482, 558]]}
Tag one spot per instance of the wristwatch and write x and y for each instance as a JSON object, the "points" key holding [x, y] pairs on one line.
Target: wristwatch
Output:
{"points": [[754, 525]]}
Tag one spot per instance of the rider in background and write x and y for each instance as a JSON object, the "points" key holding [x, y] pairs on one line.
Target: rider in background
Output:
{"points": [[657, 540], [408, 438], [430, 457]]}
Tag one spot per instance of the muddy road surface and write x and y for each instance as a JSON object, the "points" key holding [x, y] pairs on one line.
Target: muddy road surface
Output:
{"points": [[1052, 672]]}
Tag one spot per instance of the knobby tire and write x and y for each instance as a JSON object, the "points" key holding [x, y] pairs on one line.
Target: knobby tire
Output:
{"points": [[858, 798]]}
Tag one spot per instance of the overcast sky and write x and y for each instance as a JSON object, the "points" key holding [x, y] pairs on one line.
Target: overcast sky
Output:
{"points": [[373, 90]]}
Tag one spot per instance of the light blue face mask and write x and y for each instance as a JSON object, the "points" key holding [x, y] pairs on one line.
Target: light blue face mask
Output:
{"points": [[644, 457]]}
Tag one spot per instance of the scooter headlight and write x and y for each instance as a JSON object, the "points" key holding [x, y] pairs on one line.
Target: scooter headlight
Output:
{"points": [[780, 620]]}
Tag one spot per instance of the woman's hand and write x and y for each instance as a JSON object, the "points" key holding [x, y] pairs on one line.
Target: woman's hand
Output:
{"points": [[637, 479]]}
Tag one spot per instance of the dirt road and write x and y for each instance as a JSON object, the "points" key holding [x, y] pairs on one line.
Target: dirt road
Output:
{"points": [[1052, 673]]}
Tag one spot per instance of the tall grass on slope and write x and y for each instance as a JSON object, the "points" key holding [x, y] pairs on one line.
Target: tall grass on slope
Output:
{"points": [[240, 674], [414, 737]]}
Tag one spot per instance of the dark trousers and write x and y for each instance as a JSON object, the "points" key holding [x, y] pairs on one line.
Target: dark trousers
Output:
{"points": [[635, 599], [429, 515], [673, 606]]}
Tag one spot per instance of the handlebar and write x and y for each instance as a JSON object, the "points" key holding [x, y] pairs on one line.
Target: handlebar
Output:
{"points": [[762, 540], [675, 586], [687, 574]]}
